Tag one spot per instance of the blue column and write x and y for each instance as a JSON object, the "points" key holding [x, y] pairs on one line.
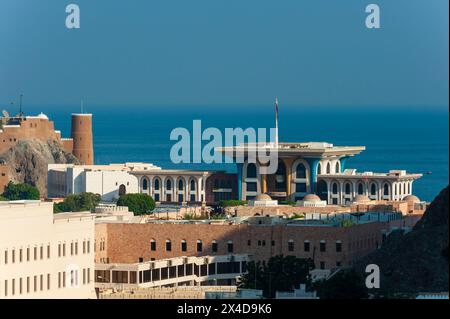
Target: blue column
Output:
{"points": [[313, 172], [239, 180], [343, 161]]}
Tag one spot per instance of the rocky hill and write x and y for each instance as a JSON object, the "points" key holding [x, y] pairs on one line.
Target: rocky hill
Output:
{"points": [[416, 261], [28, 159]]}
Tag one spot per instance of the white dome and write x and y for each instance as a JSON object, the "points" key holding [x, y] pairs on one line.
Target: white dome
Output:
{"points": [[42, 116]]}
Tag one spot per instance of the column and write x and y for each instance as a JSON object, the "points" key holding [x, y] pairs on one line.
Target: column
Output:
{"points": [[313, 162], [239, 180], [263, 183]]}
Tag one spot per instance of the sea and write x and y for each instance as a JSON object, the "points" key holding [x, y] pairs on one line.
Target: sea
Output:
{"points": [[410, 138]]}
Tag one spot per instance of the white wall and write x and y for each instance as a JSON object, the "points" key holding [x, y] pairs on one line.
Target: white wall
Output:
{"points": [[30, 225]]}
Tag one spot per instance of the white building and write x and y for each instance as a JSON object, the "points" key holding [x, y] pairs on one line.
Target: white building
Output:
{"points": [[110, 181], [45, 255]]}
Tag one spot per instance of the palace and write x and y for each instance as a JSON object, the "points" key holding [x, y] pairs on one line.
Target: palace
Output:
{"points": [[316, 168]]}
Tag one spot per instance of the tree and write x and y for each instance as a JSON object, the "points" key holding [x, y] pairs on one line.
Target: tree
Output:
{"points": [[281, 273], [139, 204], [20, 192], [345, 284], [78, 203]]}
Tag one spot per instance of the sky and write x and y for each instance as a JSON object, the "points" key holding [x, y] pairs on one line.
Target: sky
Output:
{"points": [[225, 52]]}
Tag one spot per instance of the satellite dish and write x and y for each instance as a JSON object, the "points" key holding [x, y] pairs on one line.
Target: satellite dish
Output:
{"points": [[5, 113]]}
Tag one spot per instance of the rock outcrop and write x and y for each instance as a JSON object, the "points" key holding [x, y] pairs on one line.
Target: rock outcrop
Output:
{"points": [[28, 159], [416, 261]]}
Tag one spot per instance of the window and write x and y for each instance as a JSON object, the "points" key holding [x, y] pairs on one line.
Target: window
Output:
{"points": [[306, 246], [249, 242], [183, 245], [386, 190], [35, 253], [347, 189], [251, 187], [322, 265], [41, 250], [168, 245], [360, 189], [328, 168], [48, 281], [335, 188], [193, 185], [6, 257], [199, 246], [230, 246], [145, 184], [323, 246], [153, 245], [319, 169], [338, 246], [168, 185], [156, 185], [373, 189], [59, 250], [300, 171], [337, 168], [214, 246], [338, 264], [251, 170], [290, 245], [48, 251]]}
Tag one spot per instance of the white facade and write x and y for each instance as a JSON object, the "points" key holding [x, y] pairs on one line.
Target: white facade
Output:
{"points": [[110, 181], [43, 255]]}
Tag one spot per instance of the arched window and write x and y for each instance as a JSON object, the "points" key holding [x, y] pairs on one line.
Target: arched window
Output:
{"points": [[328, 168], [348, 188], [156, 184], [300, 171], [180, 184], [169, 185], [251, 170], [319, 169], [145, 184], [335, 188], [386, 189], [337, 168], [360, 189], [193, 185], [122, 190], [373, 189]]}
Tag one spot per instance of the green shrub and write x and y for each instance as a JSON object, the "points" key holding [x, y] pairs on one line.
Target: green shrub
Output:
{"points": [[78, 203], [139, 204], [21, 191], [232, 202]]}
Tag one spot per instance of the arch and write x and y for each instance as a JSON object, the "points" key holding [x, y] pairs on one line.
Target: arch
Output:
{"points": [[319, 168], [168, 184], [348, 188], [373, 189], [145, 184], [156, 184], [180, 184], [360, 188], [193, 185], [122, 190], [386, 189], [328, 168], [335, 188], [192, 190], [300, 171], [337, 167]]}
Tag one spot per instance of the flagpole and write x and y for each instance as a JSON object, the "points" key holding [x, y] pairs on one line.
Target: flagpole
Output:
{"points": [[276, 122]]}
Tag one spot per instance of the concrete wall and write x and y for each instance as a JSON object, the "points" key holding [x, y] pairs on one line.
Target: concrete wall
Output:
{"points": [[31, 249]]}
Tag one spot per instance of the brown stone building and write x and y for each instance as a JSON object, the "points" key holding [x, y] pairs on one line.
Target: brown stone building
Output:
{"points": [[330, 245]]}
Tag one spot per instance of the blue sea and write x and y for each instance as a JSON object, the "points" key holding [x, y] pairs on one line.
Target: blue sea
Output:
{"points": [[414, 139]]}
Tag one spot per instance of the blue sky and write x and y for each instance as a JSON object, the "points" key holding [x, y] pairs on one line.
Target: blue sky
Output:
{"points": [[225, 52]]}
